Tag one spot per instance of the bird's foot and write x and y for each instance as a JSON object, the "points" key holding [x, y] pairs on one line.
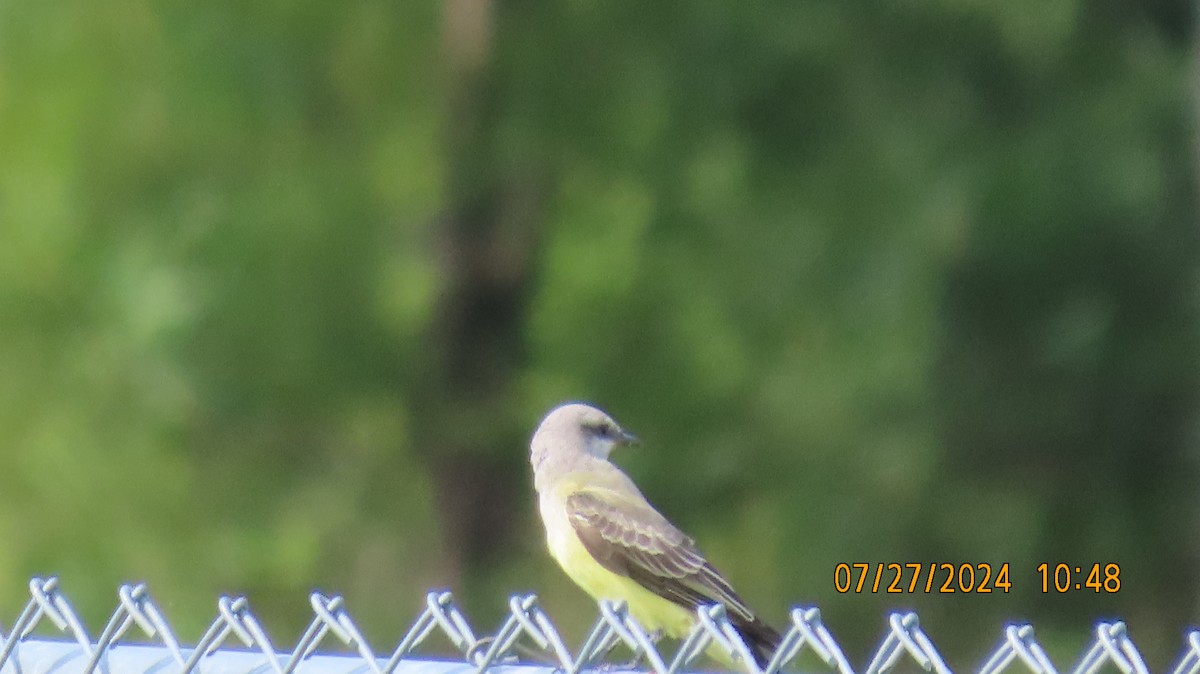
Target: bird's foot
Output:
{"points": [[637, 661]]}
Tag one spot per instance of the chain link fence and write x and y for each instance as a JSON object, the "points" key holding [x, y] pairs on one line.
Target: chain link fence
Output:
{"points": [[526, 643]]}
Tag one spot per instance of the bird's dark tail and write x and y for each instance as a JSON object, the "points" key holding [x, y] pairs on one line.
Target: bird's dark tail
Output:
{"points": [[760, 637]]}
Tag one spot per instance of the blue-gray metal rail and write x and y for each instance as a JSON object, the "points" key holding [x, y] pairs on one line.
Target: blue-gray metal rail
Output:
{"points": [[526, 643]]}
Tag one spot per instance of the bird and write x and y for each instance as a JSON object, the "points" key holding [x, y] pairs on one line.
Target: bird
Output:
{"points": [[615, 545]]}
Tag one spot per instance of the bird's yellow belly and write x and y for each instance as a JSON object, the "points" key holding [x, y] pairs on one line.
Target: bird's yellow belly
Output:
{"points": [[650, 610]]}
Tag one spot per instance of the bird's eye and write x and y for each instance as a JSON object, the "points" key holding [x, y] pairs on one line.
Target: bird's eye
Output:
{"points": [[603, 430]]}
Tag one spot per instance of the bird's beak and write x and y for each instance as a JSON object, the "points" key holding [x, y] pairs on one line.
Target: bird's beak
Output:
{"points": [[628, 439]]}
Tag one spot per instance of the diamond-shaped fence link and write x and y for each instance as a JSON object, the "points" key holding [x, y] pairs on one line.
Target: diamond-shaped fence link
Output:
{"points": [[526, 643]]}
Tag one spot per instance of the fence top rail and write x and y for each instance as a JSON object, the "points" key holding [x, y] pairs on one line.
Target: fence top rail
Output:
{"points": [[527, 642]]}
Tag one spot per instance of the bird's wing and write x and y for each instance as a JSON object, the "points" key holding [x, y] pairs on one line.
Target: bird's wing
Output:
{"points": [[630, 538]]}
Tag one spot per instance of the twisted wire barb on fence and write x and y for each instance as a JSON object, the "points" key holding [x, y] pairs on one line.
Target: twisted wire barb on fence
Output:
{"points": [[526, 629]]}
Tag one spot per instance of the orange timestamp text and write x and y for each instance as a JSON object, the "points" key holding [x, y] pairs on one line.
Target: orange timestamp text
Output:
{"points": [[912, 578], [1062, 578]]}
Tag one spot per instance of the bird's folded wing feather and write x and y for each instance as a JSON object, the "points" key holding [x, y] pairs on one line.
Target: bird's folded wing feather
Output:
{"points": [[630, 538]]}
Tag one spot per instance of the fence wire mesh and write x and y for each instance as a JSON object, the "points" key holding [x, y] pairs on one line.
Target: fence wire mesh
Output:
{"points": [[526, 643]]}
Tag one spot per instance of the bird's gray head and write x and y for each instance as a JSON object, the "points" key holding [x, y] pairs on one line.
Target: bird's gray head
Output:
{"points": [[576, 429]]}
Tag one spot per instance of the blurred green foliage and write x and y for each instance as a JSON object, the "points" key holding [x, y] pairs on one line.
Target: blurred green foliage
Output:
{"points": [[284, 287]]}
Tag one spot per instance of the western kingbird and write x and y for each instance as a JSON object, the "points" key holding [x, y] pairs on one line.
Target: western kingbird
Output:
{"points": [[614, 544]]}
